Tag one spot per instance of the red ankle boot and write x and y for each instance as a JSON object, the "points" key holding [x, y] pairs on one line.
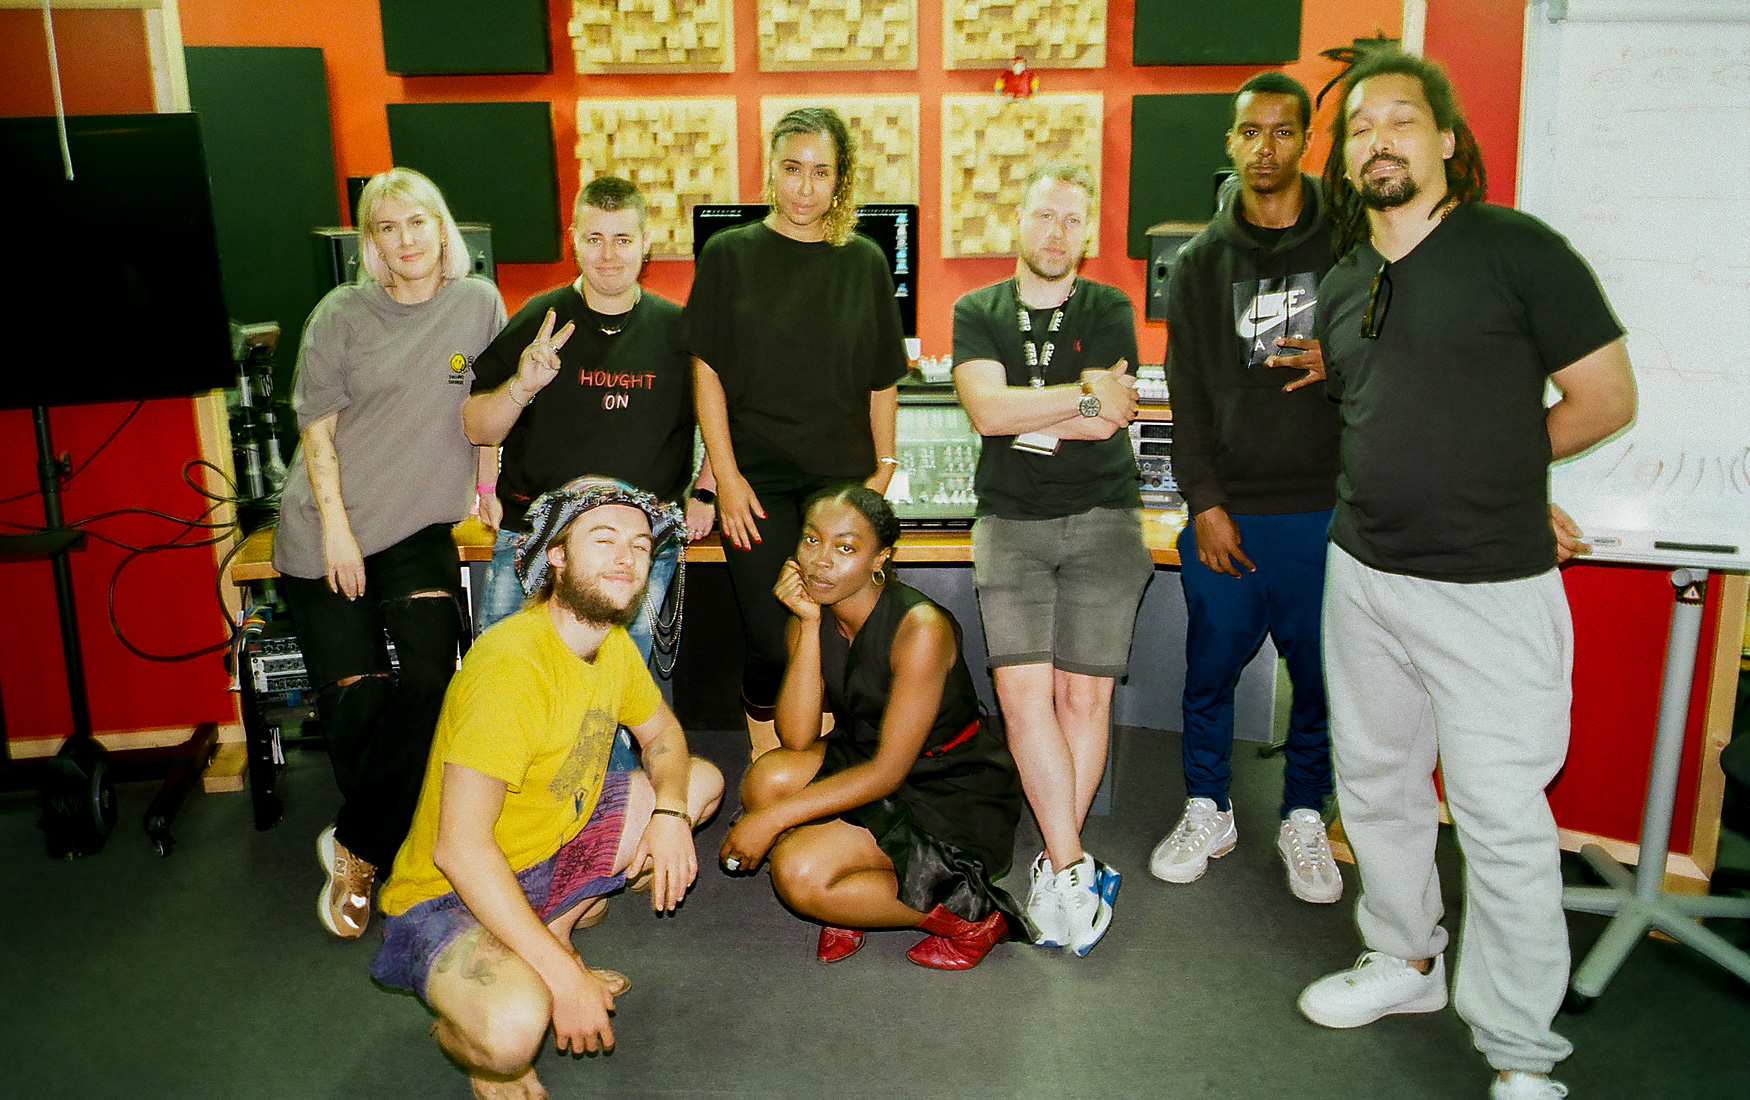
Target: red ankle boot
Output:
{"points": [[955, 944], [837, 943]]}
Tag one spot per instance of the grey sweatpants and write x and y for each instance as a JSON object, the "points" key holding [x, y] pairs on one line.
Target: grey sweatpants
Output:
{"points": [[1476, 678]]}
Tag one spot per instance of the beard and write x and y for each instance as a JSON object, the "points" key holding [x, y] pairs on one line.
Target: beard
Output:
{"points": [[1389, 193], [590, 604], [1037, 267]]}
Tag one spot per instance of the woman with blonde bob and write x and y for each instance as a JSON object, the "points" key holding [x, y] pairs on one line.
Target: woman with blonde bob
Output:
{"points": [[904, 816], [797, 351], [381, 473]]}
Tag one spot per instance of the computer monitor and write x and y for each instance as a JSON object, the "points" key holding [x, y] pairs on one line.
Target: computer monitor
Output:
{"points": [[893, 226]]}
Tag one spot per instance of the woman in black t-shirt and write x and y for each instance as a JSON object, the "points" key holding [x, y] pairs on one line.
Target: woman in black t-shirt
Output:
{"points": [[905, 815], [797, 350]]}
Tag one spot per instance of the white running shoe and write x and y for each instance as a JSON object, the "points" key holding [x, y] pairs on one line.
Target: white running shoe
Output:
{"points": [[1086, 890], [1044, 908], [1202, 834], [1304, 847], [1377, 985], [1520, 1085]]}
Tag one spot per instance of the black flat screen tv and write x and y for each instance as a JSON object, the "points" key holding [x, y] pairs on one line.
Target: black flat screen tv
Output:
{"points": [[111, 288], [893, 226]]}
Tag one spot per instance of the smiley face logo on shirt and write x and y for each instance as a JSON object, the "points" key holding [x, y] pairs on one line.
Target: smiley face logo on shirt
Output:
{"points": [[458, 362]]}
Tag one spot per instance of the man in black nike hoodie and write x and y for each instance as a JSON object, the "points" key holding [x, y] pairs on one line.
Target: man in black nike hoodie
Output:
{"points": [[1255, 455]]}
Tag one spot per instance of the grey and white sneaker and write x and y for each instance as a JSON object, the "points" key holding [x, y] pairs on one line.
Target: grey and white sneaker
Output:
{"points": [[1304, 847], [1520, 1085], [1377, 985], [1202, 834], [1044, 908]]}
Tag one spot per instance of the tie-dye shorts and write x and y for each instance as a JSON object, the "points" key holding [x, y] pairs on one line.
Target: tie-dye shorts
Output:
{"points": [[582, 869]]}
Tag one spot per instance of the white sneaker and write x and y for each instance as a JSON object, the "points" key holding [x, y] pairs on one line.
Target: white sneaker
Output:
{"points": [[1377, 985], [1086, 889], [1303, 846], [1044, 908], [1202, 834], [1520, 1085]]}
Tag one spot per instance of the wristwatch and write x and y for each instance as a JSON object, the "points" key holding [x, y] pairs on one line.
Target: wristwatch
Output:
{"points": [[704, 496], [1089, 405]]}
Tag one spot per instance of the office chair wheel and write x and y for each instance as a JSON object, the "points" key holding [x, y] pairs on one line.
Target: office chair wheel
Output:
{"points": [[78, 800]]}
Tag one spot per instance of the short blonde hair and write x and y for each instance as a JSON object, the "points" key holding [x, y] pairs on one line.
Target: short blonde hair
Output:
{"points": [[415, 189]]}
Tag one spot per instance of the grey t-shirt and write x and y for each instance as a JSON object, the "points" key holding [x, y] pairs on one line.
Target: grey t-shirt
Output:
{"points": [[397, 375]]}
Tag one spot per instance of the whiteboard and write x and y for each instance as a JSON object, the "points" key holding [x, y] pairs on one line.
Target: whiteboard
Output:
{"points": [[1635, 145]]}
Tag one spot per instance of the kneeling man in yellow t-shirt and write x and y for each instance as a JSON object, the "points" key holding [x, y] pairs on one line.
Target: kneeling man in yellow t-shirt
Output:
{"points": [[522, 830]]}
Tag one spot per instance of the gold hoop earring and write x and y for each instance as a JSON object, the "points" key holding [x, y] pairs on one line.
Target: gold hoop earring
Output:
{"points": [[880, 576]]}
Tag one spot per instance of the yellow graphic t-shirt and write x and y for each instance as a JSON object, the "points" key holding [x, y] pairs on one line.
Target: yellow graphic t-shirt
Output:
{"points": [[525, 709]]}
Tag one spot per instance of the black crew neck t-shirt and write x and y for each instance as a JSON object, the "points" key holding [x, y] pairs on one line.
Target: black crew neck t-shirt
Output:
{"points": [[621, 405], [1445, 452]]}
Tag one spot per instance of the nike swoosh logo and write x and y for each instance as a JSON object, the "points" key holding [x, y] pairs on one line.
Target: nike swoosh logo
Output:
{"points": [[1270, 310]]}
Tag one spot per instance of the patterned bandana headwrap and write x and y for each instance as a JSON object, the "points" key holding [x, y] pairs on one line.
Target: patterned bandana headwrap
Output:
{"points": [[553, 512]]}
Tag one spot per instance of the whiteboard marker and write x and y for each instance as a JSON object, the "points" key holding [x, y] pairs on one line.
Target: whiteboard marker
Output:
{"points": [[1696, 547]]}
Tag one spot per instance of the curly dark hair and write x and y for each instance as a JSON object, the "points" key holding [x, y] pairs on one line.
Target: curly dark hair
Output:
{"points": [[868, 503], [1466, 180]]}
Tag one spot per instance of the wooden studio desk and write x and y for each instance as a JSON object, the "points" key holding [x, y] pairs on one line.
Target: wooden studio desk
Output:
{"points": [[254, 560], [707, 674]]}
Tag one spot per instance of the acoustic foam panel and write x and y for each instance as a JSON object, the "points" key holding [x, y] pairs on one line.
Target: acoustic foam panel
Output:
{"points": [[270, 157], [494, 163], [1177, 144], [990, 145], [443, 37], [1233, 32]]}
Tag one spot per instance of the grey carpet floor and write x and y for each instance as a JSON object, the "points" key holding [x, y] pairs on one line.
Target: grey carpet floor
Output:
{"points": [[205, 974]]}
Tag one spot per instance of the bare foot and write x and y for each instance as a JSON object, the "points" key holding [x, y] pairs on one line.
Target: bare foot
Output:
{"points": [[526, 1087]]}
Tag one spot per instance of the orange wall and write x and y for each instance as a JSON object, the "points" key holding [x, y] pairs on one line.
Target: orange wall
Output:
{"points": [[350, 34]]}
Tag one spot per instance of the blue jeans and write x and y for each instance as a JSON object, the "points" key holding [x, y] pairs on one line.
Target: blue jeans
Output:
{"points": [[503, 596], [1227, 618]]}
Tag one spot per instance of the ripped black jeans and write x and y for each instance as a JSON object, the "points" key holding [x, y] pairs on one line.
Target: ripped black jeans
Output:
{"points": [[379, 726]]}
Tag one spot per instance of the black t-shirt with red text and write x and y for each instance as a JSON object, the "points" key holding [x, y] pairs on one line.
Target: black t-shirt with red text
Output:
{"points": [[621, 405]]}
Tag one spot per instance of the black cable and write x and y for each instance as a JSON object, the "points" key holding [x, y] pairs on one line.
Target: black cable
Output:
{"points": [[92, 457], [175, 543], [76, 471]]}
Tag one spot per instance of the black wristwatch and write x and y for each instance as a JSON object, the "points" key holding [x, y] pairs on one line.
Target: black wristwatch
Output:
{"points": [[704, 496]]}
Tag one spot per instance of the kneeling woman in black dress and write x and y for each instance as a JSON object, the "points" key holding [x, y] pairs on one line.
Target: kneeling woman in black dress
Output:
{"points": [[904, 815]]}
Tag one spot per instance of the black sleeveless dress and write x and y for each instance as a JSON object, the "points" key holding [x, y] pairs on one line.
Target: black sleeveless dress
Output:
{"points": [[950, 827]]}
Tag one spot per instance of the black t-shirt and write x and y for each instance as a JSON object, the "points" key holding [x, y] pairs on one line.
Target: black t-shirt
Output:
{"points": [[800, 333], [1098, 329], [1445, 451], [621, 404]]}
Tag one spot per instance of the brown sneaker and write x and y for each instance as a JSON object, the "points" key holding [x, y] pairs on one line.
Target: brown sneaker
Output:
{"points": [[345, 903]]}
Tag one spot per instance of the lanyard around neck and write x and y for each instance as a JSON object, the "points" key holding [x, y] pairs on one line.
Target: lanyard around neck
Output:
{"points": [[1039, 356]]}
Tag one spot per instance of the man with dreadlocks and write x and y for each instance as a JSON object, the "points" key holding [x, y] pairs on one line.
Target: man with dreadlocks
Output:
{"points": [[1446, 629], [523, 828]]}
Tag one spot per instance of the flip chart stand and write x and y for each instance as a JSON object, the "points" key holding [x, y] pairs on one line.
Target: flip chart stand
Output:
{"points": [[1640, 903]]}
